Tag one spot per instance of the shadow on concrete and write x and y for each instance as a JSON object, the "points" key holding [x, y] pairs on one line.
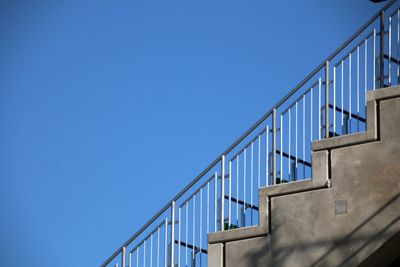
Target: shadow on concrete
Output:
{"points": [[355, 240], [366, 239]]}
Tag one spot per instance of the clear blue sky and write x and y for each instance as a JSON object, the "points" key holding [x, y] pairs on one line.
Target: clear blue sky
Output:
{"points": [[109, 108]]}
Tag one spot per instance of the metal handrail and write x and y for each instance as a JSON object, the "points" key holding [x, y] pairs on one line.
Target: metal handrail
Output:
{"points": [[270, 112]]}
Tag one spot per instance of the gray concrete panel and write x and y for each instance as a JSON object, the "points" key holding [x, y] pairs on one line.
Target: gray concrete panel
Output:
{"points": [[382, 94], [320, 168], [236, 234], [238, 253], [215, 255]]}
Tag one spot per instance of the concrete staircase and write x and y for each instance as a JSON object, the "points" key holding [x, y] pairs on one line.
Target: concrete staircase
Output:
{"points": [[348, 214]]}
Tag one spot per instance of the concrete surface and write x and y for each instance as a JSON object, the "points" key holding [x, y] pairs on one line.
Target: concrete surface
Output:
{"points": [[355, 222], [237, 253], [215, 255]]}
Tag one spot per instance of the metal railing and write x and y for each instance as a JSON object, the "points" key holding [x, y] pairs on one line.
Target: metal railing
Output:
{"points": [[330, 101]]}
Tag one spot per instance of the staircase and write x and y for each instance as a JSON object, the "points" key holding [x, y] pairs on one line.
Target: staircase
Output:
{"points": [[348, 214], [314, 182]]}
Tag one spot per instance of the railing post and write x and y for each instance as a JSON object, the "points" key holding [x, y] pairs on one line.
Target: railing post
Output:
{"points": [[172, 232], [222, 192], [327, 99], [274, 146], [382, 51], [123, 251]]}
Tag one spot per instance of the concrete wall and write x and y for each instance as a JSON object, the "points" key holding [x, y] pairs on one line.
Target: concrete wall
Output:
{"points": [[348, 215]]}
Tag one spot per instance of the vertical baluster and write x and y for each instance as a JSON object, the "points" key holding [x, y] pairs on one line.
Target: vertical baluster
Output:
{"points": [[215, 201], [151, 250], [208, 207], [237, 189], [123, 256], [358, 88], [289, 142], [251, 176], [166, 243], [251, 181], [365, 70], [172, 233], [342, 94], [222, 192], [304, 135], [201, 222], [244, 184], [144, 253], [334, 99], [179, 237], [327, 99], [311, 114], [374, 60], [187, 233], [230, 194], [137, 256], [381, 50], [130, 259], [390, 52], [267, 156], [259, 161], [274, 146], [319, 110], [350, 93], [281, 152], [158, 247], [398, 45], [194, 227], [296, 140]]}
